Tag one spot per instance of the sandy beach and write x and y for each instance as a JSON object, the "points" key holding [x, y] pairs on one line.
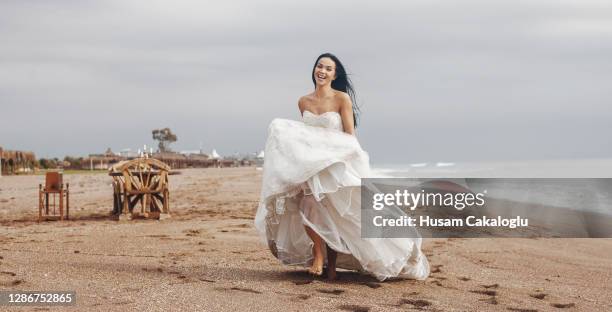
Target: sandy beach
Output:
{"points": [[207, 257]]}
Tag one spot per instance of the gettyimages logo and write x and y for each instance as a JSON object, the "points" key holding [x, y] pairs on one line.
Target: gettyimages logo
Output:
{"points": [[413, 200]]}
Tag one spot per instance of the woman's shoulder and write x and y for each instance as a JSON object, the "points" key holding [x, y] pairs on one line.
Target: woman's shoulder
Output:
{"points": [[342, 96], [306, 98], [343, 100], [304, 101]]}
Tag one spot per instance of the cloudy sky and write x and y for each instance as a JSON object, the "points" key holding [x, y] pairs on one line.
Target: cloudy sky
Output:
{"points": [[436, 80]]}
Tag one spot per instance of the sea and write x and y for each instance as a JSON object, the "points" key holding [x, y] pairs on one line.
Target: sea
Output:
{"points": [[579, 184]]}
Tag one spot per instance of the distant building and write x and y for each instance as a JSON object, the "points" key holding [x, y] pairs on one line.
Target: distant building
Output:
{"points": [[186, 160], [127, 153], [101, 161], [193, 152]]}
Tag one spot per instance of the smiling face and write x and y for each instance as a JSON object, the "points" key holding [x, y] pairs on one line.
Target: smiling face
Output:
{"points": [[325, 71]]}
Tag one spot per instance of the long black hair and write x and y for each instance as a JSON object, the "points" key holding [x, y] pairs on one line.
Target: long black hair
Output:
{"points": [[341, 83]]}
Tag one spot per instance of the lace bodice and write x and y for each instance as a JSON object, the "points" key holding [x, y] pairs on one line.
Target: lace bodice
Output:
{"points": [[326, 120]]}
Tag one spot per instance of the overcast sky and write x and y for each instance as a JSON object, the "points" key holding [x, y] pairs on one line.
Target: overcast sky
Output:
{"points": [[436, 80]]}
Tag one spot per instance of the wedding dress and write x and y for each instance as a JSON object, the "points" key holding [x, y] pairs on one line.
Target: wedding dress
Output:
{"points": [[315, 157]]}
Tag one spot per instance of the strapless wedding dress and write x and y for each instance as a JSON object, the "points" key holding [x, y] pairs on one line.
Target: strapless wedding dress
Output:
{"points": [[316, 157]]}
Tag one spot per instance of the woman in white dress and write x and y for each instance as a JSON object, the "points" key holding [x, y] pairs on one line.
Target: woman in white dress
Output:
{"points": [[310, 204]]}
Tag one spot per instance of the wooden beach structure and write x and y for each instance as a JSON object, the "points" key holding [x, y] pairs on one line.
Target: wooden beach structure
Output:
{"points": [[15, 162], [141, 181]]}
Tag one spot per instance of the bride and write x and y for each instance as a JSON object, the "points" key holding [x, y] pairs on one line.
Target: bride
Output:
{"points": [[310, 208]]}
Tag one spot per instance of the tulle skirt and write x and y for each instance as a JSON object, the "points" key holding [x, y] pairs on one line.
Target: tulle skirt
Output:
{"points": [[328, 165]]}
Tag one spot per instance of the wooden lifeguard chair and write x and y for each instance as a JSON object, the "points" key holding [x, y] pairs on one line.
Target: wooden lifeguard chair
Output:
{"points": [[54, 188]]}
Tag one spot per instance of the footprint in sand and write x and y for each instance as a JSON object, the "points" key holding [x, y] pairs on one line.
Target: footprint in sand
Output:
{"points": [[304, 282], [12, 283], [464, 279], [246, 290], [563, 305], [303, 296], [372, 285], [157, 236], [192, 232], [330, 291], [354, 308], [538, 295], [491, 300], [436, 268], [416, 303], [492, 293], [485, 292], [441, 278], [522, 310]]}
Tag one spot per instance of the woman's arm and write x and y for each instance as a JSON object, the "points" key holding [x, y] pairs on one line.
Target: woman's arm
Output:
{"points": [[346, 112]]}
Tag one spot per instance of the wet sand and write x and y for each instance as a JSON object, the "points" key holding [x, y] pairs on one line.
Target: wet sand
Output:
{"points": [[207, 257]]}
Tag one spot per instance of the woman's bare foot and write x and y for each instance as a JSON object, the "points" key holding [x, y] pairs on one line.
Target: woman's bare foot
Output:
{"points": [[316, 268], [317, 262]]}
